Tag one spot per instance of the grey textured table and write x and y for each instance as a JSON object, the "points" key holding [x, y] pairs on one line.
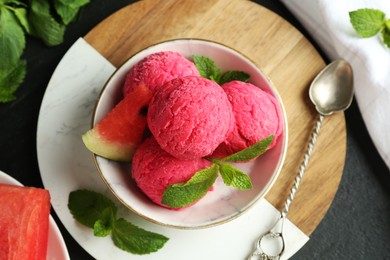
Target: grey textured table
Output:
{"points": [[356, 226]]}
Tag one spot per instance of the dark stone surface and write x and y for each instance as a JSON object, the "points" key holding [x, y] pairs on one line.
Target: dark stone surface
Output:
{"points": [[356, 226]]}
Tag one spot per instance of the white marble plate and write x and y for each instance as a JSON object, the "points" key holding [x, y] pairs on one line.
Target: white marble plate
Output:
{"points": [[66, 165], [56, 248]]}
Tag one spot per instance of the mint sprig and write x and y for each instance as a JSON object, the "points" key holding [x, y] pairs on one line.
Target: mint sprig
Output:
{"points": [[46, 20], [369, 22], [96, 211], [249, 153], [207, 67], [209, 70], [232, 176], [186, 193]]}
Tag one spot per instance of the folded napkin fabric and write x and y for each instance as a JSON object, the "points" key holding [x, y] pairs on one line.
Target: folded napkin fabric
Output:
{"points": [[328, 23]]}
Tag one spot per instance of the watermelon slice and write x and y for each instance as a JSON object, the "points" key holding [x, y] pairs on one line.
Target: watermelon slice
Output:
{"points": [[119, 133], [24, 222]]}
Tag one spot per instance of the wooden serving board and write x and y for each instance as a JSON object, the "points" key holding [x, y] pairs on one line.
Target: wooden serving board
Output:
{"points": [[278, 49]]}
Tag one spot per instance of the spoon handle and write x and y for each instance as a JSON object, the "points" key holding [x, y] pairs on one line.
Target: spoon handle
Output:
{"points": [[276, 232], [303, 166]]}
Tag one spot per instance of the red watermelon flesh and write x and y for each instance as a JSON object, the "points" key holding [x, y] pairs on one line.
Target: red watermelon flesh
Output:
{"points": [[24, 222], [119, 133]]}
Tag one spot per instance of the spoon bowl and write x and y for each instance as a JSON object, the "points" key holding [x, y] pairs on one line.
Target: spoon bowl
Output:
{"points": [[332, 89]]}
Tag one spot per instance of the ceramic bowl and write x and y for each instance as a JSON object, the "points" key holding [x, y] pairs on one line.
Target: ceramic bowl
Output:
{"points": [[223, 203]]}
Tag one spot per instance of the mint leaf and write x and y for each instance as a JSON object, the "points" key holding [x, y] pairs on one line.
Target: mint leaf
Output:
{"points": [[43, 24], [10, 80], [387, 24], [12, 40], [69, 9], [207, 68], [105, 225], [386, 34], [234, 177], [249, 153], [15, 2], [233, 75], [101, 228], [185, 193], [87, 207], [66, 13], [135, 240], [96, 211], [40, 21], [367, 22], [21, 15]]}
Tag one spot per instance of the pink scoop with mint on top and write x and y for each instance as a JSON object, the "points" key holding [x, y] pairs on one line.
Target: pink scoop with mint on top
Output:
{"points": [[153, 169]]}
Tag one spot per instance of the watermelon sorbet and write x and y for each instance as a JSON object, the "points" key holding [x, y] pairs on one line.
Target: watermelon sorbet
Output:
{"points": [[257, 115], [190, 117], [153, 169], [158, 68]]}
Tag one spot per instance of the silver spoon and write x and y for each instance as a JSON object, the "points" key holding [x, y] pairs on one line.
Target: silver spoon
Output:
{"points": [[331, 91]]}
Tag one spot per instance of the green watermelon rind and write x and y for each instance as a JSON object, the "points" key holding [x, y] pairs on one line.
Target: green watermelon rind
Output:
{"points": [[125, 117], [108, 149]]}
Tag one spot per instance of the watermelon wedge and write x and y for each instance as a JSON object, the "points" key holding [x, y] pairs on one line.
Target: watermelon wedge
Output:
{"points": [[119, 133], [24, 222]]}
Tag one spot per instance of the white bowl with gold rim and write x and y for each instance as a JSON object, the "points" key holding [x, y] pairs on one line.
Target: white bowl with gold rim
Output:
{"points": [[223, 203]]}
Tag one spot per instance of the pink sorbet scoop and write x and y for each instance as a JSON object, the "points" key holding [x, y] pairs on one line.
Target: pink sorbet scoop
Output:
{"points": [[190, 117], [158, 68], [257, 115], [154, 170]]}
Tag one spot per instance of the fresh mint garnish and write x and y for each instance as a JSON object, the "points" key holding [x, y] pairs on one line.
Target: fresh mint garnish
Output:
{"points": [[43, 24], [10, 79], [249, 153], [96, 211], [12, 41], [12, 44], [69, 10], [233, 75], [209, 70], [135, 240], [386, 34], [104, 225], [234, 177], [369, 22], [185, 193], [43, 19], [21, 15], [87, 207]]}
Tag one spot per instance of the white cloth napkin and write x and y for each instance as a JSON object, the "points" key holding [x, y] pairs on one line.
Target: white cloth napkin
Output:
{"points": [[328, 22]]}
